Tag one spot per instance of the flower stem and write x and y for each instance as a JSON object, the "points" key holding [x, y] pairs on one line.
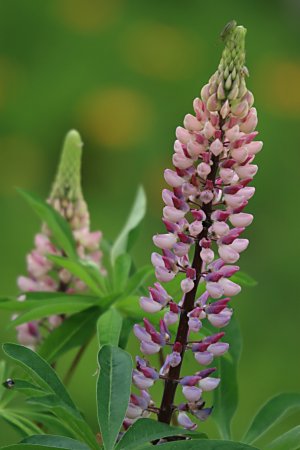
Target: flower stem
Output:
{"points": [[167, 408], [75, 363]]}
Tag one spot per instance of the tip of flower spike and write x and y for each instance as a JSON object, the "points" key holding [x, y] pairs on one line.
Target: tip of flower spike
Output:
{"points": [[73, 138], [67, 183], [232, 28], [228, 82]]}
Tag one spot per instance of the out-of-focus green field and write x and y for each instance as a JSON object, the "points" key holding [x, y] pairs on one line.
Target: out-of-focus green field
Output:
{"points": [[124, 73]]}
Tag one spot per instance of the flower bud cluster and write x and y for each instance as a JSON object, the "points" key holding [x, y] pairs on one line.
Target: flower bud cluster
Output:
{"points": [[42, 274]]}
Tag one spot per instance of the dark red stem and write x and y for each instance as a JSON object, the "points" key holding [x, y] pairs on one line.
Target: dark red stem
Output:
{"points": [[167, 404]]}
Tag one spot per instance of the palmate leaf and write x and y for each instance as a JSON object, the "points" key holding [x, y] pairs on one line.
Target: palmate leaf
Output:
{"points": [[40, 371], [61, 231], [51, 423], [64, 305], [27, 388], [4, 373], [147, 430], [288, 441], [205, 445], [56, 442], [75, 331], [71, 418], [226, 395], [84, 270], [11, 304], [109, 327], [271, 413], [138, 279], [125, 239], [113, 391], [121, 272], [57, 396], [127, 327], [19, 421], [31, 447], [129, 306], [2, 369]]}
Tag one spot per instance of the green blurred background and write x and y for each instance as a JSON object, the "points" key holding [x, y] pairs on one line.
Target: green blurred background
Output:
{"points": [[124, 73]]}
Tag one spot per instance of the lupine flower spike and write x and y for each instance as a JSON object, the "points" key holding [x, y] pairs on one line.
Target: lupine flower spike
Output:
{"points": [[66, 198], [204, 218]]}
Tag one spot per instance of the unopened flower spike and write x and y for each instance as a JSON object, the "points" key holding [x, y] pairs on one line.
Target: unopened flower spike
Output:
{"points": [[209, 188], [43, 275], [66, 194]]}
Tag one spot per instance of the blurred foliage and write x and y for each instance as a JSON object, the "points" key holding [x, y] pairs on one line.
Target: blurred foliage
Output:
{"points": [[124, 73]]}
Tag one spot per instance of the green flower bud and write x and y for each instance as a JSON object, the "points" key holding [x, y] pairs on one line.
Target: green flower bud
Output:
{"points": [[67, 184], [228, 82], [66, 195]]}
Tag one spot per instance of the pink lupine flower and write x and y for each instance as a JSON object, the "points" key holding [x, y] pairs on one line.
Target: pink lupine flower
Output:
{"points": [[209, 383], [185, 421], [138, 405], [205, 218], [144, 376], [66, 197], [28, 334], [192, 393]]}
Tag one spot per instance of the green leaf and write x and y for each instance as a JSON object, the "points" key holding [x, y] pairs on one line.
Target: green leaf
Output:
{"points": [[121, 272], [271, 413], [288, 441], [73, 332], [42, 295], [39, 369], [52, 424], [138, 279], [26, 387], [29, 447], [113, 391], [125, 238], [59, 227], [59, 401], [147, 430], [11, 304], [3, 376], [33, 447], [66, 305], [127, 326], [56, 442], [226, 395], [244, 279], [19, 422], [105, 246], [81, 269], [71, 418], [2, 369], [129, 306], [109, 327], [205, 445]]}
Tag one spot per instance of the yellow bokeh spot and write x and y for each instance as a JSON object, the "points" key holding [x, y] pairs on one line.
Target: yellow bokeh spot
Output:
{"points": [[278, 86], [87, 15], [116, 118], [22, 164], [160, 51]]}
